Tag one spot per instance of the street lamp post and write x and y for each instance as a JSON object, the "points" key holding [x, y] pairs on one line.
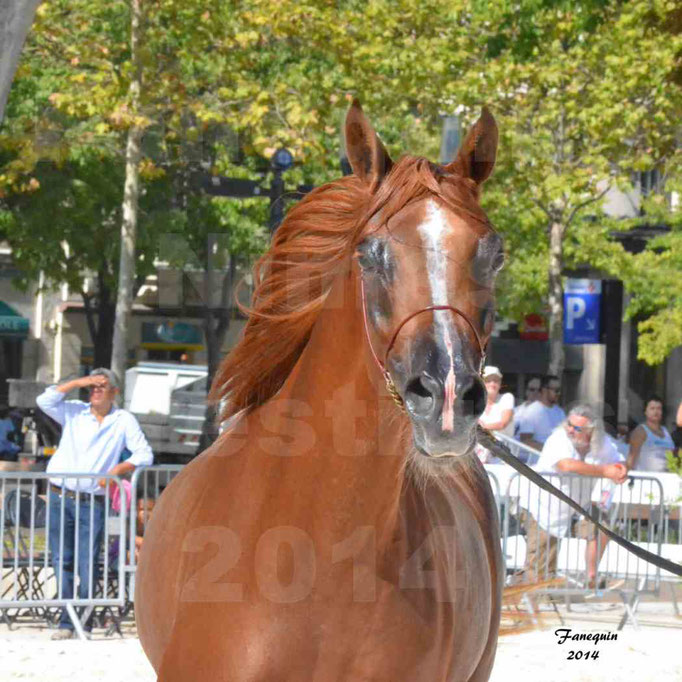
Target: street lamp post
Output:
{"points": [[281, 161]]}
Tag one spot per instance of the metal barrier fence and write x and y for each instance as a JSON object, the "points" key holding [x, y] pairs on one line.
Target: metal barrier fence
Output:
{"points": [[59, 529], [555, 541], [543, 541], [541, 537], [497, 493], [524, 452], [147, 484]]}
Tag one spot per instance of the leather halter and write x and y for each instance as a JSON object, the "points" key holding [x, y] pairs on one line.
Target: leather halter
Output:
{"points": [[390, 385]]}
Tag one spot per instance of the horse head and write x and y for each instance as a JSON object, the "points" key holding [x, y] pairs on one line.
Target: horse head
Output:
{"points": [[427, 260]]}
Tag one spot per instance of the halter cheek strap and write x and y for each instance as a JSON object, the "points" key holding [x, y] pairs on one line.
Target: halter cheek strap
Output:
{"points": [[390, 385]]}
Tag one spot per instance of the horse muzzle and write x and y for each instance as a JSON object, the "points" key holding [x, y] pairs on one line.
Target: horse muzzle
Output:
{"points": [[444, 411]]}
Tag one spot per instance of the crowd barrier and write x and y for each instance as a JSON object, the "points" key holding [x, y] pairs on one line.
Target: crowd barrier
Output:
{"points": [[147, 483], [38, 563], [542, 540]]}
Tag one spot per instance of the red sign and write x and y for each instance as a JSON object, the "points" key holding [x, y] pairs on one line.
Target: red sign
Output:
{"points": [[534, 328]]}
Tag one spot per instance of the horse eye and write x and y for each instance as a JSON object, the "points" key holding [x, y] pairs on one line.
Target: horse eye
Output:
{"points": [[364, 260], [370, 254], [498, 262]]}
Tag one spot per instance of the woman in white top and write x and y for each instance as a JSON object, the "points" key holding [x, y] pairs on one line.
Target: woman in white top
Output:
{"points": [[650, 441], [499, 411]]}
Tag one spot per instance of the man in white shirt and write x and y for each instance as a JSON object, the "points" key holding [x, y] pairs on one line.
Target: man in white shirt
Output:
{"points": [[578, 446], [542, 416], [94, 436], [532, 394]]}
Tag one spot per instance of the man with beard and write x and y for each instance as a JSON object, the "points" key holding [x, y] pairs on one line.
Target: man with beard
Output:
{"points": [[578, 446], [544, 415]]}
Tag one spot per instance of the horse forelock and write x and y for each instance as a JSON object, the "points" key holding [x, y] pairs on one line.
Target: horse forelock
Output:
{"points": [[309, 249]]}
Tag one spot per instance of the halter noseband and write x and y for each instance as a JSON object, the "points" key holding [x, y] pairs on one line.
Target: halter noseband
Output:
{"points": [[390, 385]]}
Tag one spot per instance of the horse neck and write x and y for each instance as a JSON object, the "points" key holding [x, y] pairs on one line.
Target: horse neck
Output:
{"points": [[359, 445]]}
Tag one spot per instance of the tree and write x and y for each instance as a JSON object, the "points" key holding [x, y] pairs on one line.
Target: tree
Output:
{"points": [[281, 75], [66, 227], [15, 21], [652, 276], [577, 120], [131, 198]]}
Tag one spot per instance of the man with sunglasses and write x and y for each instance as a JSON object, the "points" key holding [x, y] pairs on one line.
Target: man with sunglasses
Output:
{"points": [[95, 435], [578, 446], [541, 417]]}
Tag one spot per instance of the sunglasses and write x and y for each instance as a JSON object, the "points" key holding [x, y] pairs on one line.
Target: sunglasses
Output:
{"points": [[578, 429]]}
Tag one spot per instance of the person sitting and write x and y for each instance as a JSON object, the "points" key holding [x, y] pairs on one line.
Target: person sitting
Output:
{"points": [[498, 413], [650, 442], [543, 416], [578, 446]]}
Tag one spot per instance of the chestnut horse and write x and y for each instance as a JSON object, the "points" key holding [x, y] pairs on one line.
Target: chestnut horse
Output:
{"points": [[341, 528]]}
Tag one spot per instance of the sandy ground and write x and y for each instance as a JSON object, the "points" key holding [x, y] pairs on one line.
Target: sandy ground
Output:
{"points": [[651, 653]]}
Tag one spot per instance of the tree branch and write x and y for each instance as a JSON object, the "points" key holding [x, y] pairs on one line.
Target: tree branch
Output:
{"points": [[543, 209], [587, 202]]}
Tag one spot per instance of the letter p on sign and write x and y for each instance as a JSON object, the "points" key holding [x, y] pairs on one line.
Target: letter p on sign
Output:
{"points": [[575, 309]]}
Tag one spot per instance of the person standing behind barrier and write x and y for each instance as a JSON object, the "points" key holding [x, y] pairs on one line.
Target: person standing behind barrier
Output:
{"points": [[145, 507], [532, 394], [543, 416], [93, 438], [578, 446], [499, 411], [650, 442]]}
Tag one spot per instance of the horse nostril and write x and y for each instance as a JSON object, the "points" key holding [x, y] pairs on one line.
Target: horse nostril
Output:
{"points": [[474, 399], [420, 395]]}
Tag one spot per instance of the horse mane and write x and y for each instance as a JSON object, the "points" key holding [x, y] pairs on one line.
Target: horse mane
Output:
{"points": [[309, 249]]}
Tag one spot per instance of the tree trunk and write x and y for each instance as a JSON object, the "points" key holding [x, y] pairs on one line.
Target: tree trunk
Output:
{"points": [[106, 315], [131, 195], [15, 21], [556, 300], [100, 320]]}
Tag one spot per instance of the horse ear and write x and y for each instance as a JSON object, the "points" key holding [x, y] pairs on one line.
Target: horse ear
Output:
{"points": [[367, 156], [476, 157]]}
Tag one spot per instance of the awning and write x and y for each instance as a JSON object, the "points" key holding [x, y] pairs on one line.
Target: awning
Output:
{"points": [[12, 325]]}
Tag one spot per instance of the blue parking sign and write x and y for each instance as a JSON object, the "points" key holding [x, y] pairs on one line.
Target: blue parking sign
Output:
{"points": [[582, 301]]}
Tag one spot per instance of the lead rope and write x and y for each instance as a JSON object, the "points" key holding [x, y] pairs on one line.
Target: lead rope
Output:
{"points": [[504, 453]]}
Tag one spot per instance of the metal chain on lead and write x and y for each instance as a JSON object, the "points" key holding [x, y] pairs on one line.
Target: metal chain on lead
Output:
{"points": [[390, 387]]}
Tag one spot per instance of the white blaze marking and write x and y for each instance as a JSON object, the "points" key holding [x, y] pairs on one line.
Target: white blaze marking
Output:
{"points": [[433, 231]]}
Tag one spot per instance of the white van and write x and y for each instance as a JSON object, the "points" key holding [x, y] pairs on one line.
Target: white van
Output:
{"points": [[169, 401]]}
